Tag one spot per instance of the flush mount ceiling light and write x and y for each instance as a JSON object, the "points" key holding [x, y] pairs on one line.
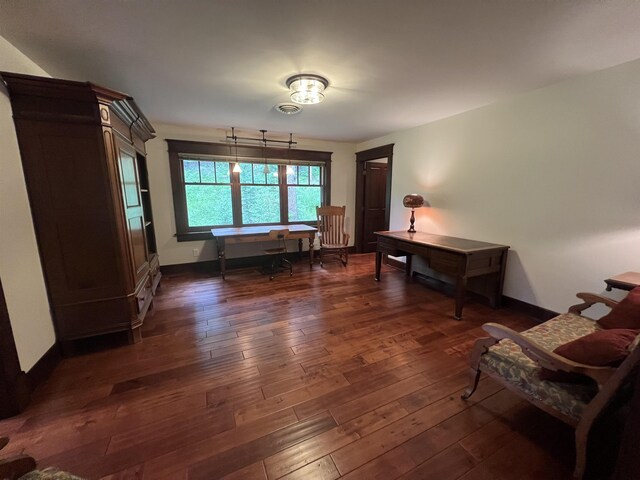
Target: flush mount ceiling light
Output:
{"points": [[306, 89]]}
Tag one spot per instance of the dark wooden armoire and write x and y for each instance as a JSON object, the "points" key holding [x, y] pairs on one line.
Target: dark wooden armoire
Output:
{"points": [[85, 166]]}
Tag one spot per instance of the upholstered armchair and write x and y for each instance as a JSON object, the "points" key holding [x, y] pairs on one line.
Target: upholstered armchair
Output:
{"points": [[534, 364]]}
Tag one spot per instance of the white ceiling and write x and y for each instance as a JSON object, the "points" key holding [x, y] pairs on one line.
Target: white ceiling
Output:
{"points": [[391, 64]]}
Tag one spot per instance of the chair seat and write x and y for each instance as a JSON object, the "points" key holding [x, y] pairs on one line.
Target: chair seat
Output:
{"points": [[507, 360], [333, 246]]}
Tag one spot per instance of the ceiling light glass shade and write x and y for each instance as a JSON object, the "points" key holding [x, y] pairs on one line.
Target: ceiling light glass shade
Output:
{"points": [[236, 168], [307, 89]]}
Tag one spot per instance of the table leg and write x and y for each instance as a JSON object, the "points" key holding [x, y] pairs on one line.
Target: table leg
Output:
{"points": [[221, 257], [407, 265], [461, 289], [311, 241], [378, 265], [300, 247]]}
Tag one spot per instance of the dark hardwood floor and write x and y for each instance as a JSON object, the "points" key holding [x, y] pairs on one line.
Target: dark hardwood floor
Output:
{"points": [[321, 375]]}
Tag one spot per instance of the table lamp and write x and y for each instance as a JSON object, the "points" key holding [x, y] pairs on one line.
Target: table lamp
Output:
{"points": [[413, 201]]}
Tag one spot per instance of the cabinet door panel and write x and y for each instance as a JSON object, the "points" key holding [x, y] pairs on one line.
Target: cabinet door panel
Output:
{"points": [[136, 234], [133, 211]]}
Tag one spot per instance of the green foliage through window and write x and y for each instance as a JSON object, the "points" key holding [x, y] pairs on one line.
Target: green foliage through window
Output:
{"points": [[209, 187]]}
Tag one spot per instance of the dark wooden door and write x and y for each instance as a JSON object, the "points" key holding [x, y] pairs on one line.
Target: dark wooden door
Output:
{"points": [[374, 203]]}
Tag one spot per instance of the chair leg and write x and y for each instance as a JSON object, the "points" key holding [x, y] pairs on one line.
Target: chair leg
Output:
{"points": [[346, 257], [474, 379], [479, 348], [321, 263], [289, 266], [274, 266], [582, 438]]}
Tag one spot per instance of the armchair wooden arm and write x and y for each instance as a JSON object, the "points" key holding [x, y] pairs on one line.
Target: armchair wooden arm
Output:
{"points": [[590, 299], [546, 358]]}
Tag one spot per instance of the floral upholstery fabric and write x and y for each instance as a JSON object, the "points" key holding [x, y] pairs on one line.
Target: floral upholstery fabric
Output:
{"points": [[507, 360]]}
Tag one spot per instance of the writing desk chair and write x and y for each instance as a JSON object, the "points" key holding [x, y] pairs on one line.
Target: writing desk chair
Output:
{"points": [[279, 262]]}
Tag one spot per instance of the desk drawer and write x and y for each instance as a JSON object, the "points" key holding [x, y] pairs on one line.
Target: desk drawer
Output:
{"points": [[447, 263], [390, 247]]}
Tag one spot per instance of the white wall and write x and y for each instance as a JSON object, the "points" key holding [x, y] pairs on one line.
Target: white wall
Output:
{"points": [[20, 269], [171, 252], [554, 173]]}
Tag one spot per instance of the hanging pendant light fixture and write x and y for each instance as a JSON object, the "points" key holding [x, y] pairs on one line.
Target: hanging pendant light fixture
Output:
{"points": [[307, 89], [265, 170], [236, 167]]}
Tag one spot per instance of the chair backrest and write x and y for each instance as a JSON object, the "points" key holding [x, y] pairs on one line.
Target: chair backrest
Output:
{"points": [[280, 234], [331, 224]]}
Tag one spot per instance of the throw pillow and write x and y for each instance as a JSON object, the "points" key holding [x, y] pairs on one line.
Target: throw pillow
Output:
{"points": [[624, 315], [599, 349]]}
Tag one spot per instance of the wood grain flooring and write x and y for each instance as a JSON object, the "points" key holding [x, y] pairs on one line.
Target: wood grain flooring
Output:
{"points": [[323, 375]]}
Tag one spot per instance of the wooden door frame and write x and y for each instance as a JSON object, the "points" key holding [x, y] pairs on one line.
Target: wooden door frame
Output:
{"points": [[384, 151], [13, 380]]}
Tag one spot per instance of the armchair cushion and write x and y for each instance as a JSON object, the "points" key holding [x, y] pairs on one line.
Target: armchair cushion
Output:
{"points": [[601, 348], [625, 314], [507, 360]]}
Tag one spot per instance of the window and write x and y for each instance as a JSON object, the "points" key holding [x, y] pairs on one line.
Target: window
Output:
{"points": [[304, 191], [207, 184], [207, 194], [259, 194]]}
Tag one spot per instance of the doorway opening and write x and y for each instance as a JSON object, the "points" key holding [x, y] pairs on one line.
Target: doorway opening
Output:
{"points": [[373, 195]]}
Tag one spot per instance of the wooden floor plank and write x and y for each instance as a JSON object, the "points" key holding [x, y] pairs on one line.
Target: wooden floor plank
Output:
{"points": [[322, 374]]}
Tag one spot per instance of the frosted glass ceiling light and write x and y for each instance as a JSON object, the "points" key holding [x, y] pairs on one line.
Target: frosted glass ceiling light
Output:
{"points": [[306, 88]]}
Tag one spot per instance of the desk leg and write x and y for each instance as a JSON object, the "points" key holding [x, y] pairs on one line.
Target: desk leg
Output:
{"points": [[300, 247], [461, 289], [221, 257], [378, 265], [407, 265], [311, 241]]}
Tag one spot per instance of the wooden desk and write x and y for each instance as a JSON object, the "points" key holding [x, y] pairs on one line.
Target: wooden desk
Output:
{"points": [[456, 257], [624, 281], [232, 235]]}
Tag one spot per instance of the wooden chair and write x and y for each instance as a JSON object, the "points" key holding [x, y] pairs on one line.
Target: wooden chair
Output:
{"points": [[333, 238], [278, 261], [515, 359]]}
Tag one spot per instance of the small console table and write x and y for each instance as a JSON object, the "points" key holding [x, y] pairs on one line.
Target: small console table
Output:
{"points": [[624, 281], [250, 234], [455, 257]]}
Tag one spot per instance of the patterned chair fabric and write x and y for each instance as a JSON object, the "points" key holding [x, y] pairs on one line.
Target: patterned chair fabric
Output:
{"points": [[507, 360]]}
